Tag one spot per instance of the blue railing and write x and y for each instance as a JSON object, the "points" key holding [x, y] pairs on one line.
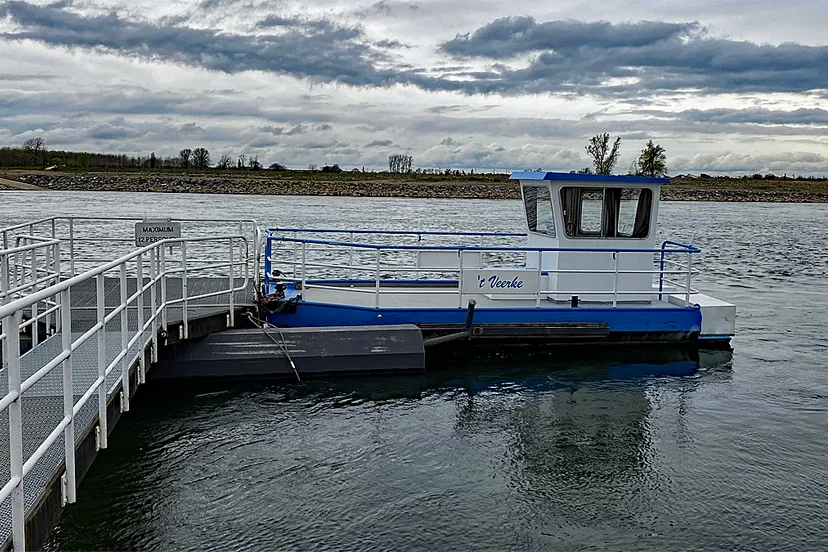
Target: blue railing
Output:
{"points": [[275, 235]]}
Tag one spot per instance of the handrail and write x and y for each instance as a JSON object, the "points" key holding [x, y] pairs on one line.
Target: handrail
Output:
{"points": [[58, 295], [394, 232]]}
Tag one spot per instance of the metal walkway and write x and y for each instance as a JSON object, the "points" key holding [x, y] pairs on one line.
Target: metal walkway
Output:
{"points": [[86, 361]]}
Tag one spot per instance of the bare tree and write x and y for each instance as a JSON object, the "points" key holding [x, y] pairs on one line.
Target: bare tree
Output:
{"points": [[34, 146], [603, 156], [185, 157], [312, 166], [224, 162], [253, 163], [201, 158], [242, 161], [399, 163]]}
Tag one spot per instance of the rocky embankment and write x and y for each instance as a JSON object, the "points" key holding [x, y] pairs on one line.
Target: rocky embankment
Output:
{"points": [[383, 186]]}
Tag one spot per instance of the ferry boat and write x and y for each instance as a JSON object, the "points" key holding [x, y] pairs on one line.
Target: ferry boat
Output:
{"points": [[585, 269]]}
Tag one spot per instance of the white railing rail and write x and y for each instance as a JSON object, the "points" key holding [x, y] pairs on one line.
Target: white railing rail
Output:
{"points": [[165, 259], [82, 237]]}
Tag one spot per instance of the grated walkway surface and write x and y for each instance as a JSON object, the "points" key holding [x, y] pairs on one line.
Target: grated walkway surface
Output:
{"points": [[42, 404]]}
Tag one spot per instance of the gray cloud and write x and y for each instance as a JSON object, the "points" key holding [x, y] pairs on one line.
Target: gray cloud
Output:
{"points": [[381, 143], [507, 37]]}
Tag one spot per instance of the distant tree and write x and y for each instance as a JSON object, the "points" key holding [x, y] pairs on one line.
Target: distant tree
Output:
{"points": [[331, 169], [603, 156], [652, 161], [399, 163], [201, 158], [185, 158], [242, 161], [153, 161], [311, 166], [34, 147], [277, 167], [253, 163], [224, 162]]}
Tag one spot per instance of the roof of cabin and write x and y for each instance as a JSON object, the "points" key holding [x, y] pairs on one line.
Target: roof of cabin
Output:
{"points": [[572, 177]]}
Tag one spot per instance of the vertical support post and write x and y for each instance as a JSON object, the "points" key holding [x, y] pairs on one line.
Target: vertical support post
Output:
{"points": [[351, 251], [231, 272], [162, 254], [68, 395], [72, 246], [615, 255], [377, 281], [304, 265], [35, 333], [184, 291], [687, 285], [53, 227], [11, 354], [49, 282], [4, 278], [124, 338], [661, 272], [294, 255], [460, 282], [58, 319], [139, 282], [99, 284], [154, 253], [540, 273]]}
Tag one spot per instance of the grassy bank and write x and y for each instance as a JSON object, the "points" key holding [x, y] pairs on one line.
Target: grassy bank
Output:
{"points": [[485, 186]]}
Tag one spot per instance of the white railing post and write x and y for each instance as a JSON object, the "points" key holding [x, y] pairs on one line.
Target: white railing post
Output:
{"points": [[57, 295], [4, 279], [99, 284], [49, 282], [72, 246], [295, 253], [687, 288], [139, 281], [11, 354], [68, 394], [540, 273], [351, 251], [154, 300], [460, 282], [615, 256], [304, 260], [232, 274], [377, 281], [35, 336], [124, 339], [184, 323], [163, 255]]}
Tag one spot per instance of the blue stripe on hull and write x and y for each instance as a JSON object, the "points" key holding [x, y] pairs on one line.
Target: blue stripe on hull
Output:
{"points": [[619, 320]]}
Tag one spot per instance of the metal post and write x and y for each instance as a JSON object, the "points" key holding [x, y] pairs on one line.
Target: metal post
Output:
{"points": [[460, 282], [49, 282], [294, 256], [68, 394], [163, 255], [377, 281], [35, 336], [154, 300], [4, 278], [72, 245], [53, 227], [540, 273], [139, 281], [124, 338], [11, 352], [351, 251], [184, 290], [99, 281], [231, 272], [304, 266], [687, 288], [615, 255]]}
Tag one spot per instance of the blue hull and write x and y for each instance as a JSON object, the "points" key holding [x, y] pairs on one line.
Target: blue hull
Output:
{"points": [[647, 323]]}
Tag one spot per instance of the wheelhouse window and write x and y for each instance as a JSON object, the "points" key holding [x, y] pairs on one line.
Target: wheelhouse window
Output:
{"points": [[606, 212], [538, 203]]}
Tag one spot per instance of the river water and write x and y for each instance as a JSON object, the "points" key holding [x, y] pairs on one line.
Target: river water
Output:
{"points": [[620, 452]]}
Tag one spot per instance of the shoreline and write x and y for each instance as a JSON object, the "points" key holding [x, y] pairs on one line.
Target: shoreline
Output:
{"points": [[388, 185]]}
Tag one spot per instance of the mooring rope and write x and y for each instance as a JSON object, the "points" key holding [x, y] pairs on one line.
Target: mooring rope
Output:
{"points": [[262, 325]]}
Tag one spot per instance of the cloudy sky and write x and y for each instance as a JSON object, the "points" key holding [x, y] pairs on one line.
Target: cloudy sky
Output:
{"points": [[725, 86]]}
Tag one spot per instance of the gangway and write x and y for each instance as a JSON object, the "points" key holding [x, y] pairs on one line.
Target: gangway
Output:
{"points": [[79, 333]]}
